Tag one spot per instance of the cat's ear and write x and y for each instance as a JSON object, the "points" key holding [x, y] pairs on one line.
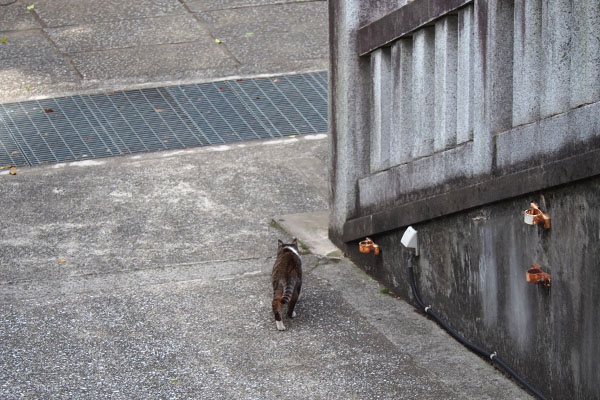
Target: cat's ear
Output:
{"points": [[295, 242], [279, 243]]}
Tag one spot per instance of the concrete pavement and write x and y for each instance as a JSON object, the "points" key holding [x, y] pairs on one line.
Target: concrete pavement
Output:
{"points": [[147, 276], [62, 47]]}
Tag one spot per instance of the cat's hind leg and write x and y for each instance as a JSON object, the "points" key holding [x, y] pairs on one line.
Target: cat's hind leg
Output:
{"points": [[277, 305], [290, 309], [280, 325]]}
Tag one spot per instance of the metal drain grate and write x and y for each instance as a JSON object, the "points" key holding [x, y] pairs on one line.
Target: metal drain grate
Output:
{"points": [[92, 126]]}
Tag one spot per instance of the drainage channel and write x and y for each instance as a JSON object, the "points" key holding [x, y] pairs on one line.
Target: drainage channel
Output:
{"points": [[84, 127]]}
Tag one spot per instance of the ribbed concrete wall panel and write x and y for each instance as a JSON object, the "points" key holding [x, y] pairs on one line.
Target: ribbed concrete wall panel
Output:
{"points": [[423, 90], [528, 55], [446, 59], [381, 108], [556, 32], [473, 76], [585, 59], [402, 124], [482, 139], [499, 65], [464, 76]]}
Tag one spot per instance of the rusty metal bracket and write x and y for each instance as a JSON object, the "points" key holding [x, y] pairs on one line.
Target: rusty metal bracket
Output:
{"points": [[536, 275], [367, 245], [534, 216]]}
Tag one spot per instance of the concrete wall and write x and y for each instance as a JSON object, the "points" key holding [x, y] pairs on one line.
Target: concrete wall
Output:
{"points": [[471, 270], [452, 116]]}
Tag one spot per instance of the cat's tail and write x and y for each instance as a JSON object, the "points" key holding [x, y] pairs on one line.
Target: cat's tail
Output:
{"points": [[288, 290]]}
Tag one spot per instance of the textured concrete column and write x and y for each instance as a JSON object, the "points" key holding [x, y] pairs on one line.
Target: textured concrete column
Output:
{"points": [[464, 76], [482, 140], [499, 65], [527, 61], [424, 90], [381, 108], [446, 57], [585, 60], [556, 34], [348, 113], [493, 56], [402, 124]]}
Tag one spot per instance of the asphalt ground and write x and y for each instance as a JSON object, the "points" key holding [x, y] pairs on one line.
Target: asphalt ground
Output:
{"points": [[148, 276], [64, 47]]}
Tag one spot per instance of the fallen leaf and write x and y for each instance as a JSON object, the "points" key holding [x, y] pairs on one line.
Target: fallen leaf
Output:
{"points": [[3, 40], [27, 88], [48, 110], [61, 260], [31, 7], [218, 41], [13, 171], [275, 80], [249, 34], [174, 379], [159, 110], [14, 153]]}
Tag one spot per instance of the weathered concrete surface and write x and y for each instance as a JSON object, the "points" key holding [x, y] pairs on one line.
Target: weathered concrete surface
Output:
{"points": [[505, 111], [148, 277], [61, 47], [491, 92], [311, 228], [472, 271], [348, 112], [370, 11]]}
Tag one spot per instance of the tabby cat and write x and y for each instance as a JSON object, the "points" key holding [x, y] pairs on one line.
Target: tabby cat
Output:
{"points": [[286, 279]]}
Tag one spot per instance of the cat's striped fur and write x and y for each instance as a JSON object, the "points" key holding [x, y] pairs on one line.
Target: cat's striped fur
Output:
{"points": [[287, 280]]}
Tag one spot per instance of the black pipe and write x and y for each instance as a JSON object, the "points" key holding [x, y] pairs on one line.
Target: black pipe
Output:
{"points": [[466, 343]]}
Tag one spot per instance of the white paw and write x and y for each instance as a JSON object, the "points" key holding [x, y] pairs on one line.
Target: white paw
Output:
{"points": [[280, 325], [293, 314]]}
